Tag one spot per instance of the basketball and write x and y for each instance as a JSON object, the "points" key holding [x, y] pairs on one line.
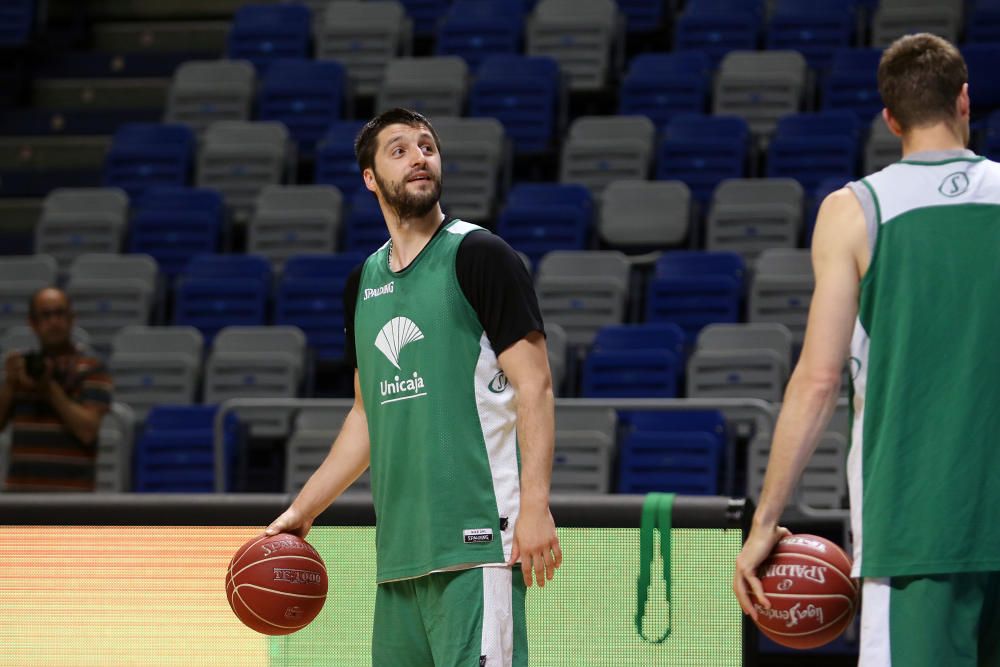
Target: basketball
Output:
{"points": [[276, 585], [813, 598]]}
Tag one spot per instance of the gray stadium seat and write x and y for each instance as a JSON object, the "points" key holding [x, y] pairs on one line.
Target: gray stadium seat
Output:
{"points": [[584, 450], [474, 152], [109, 292], [582, 291], [740, 361], [363, 37], [556, 346], [584, 36], [240, 158], [293, 220], [750, 215], [645, 213], [824, 480], [156, 366], [75, 222], [433, 85], [312, 435], [760, 86], [895, 18], [602, 149], [20, 278], [207, 91], [115, 442], [257, 362], [882, 148], [781, 290]]}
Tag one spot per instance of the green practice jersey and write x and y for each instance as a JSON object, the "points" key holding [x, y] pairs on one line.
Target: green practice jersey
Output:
{"points": [[924, 464], [441, 416]]}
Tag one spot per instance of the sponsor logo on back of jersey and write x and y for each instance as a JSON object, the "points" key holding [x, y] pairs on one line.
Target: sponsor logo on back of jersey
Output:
{"points": [[954, 184]]}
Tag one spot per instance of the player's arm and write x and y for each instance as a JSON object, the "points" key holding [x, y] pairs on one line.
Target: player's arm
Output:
{"points": [[526, 365], [839, 240], [348, 458]]}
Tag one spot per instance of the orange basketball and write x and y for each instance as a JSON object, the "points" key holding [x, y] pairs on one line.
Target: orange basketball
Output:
{"points": [[813, 598], [276, 585]]}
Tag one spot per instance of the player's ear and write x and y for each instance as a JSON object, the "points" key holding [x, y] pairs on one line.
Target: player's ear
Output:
{"points": [[892, 123], [369, 175]]}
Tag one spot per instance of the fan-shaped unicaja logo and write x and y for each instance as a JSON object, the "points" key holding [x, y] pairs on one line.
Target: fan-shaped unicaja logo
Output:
{"points": [[395, 335]]}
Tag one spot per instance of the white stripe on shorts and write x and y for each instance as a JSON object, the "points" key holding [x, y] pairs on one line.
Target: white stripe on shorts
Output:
{"points": [[876, 648], [498, 618]]}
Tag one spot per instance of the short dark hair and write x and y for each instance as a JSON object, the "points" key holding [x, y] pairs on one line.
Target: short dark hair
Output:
{"points": [[919, 78], [367, 141], [33, 309]]}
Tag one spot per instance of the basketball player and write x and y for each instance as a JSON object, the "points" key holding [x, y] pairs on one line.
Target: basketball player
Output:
{"points": [[451, 377], [907, 277]]}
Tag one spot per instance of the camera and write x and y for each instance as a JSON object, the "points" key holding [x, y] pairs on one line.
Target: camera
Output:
{"points": [[34, 365]]}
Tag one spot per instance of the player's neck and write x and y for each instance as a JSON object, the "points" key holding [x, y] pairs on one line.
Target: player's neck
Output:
{"points": [[940, 137], [408, 237]]}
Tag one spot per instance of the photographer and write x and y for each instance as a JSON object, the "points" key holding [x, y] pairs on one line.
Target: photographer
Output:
{"points": [[55, 399]]}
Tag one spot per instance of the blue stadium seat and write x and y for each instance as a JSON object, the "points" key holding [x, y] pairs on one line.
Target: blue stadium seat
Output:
{"points": [[525, 94], [364, 227], [336, 163], [982, 22], [216, 291], [149, 154], [263, 34], [176, 451], [695, 288], [305, 95], [477, 29], [991, 142], [17, 17], [815, 29], [175, 224], [675, 451], [634, 361], [310, 296], [852, 83], [982, 60], [425, 14], [702, 151], [660, 85], [643, 15], [541, 217], [719, 26], [811, 147]]}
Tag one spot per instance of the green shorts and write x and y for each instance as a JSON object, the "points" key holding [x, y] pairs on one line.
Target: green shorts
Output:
{"points": [[467, 618], [934, 620]]}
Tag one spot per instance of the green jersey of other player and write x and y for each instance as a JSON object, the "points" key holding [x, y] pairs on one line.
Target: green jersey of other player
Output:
{"points": [[927, 369]]}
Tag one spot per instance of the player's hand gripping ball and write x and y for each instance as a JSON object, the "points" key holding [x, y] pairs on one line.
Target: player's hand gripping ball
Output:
{"points": [[276, 585], [813, 598]]}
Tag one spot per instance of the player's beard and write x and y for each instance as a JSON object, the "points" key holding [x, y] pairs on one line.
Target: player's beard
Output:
{"points": [[409, 205]]}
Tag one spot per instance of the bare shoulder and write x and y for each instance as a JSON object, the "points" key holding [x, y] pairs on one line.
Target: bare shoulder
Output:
{"points": [[841, 204], [841, 229]]}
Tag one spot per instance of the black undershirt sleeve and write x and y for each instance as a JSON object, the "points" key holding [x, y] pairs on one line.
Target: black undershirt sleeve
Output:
{"points": [[498, 286], [495, 282]]}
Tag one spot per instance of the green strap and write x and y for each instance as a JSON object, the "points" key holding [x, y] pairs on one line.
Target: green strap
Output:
{"points": [[657, 513]]}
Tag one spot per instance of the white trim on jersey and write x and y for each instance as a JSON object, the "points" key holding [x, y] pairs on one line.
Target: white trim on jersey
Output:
{"points": [[855, 476], [498, 421], [876, 647], [462, 227], [497, 642]]}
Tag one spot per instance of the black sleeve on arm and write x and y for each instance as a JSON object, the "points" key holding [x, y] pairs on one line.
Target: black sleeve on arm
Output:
{"points": [[350, 304], [499, 288]]}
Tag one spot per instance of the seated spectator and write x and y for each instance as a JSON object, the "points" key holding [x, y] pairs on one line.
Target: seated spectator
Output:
{"points": [[54, 399]]}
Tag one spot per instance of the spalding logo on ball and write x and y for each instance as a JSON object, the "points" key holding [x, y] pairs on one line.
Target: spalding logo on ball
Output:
{"points": [[813, 599], [276, 585]]}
